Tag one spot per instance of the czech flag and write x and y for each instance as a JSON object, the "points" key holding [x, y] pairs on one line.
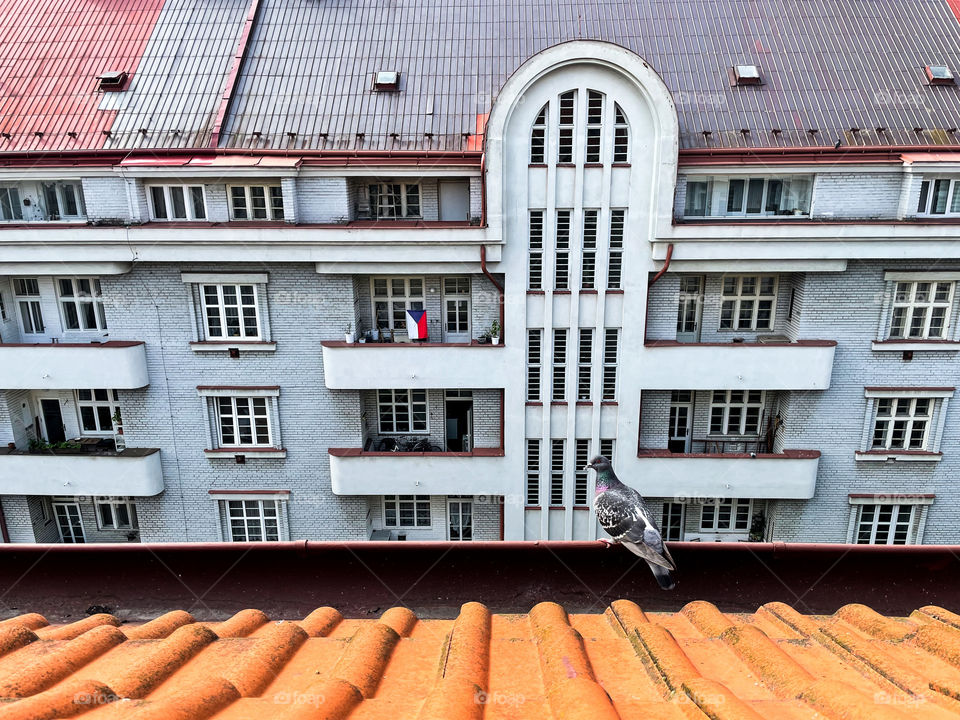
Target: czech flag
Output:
{"points": [[417, 324]]}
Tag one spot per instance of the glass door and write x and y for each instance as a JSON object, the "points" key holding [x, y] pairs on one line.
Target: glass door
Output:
{"points": [[69, 522], [689, 307], [456, 309], [460, 512]]}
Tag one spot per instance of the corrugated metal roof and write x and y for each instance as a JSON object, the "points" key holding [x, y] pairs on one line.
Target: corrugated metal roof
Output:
{"points": [[306, 83], [622, 663]]}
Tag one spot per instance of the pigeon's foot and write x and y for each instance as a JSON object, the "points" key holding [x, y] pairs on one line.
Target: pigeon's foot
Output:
{"points": [[608, 543]]}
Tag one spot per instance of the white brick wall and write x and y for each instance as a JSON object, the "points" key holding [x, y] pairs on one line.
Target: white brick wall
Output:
{"points": [[106, 199]]}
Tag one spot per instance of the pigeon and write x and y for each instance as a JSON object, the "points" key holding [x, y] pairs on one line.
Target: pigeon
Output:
{"points": [[625, 516]]}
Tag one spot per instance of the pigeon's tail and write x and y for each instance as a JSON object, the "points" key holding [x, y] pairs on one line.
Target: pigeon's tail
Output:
{"points": [[663, 576]]}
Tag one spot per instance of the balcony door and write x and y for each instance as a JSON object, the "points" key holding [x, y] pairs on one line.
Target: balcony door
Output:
{"points": [[681, 421], [454, 197], [52, 418], [69, 522], [459, 420], [689, 308], [460, 514], [456, 309]]}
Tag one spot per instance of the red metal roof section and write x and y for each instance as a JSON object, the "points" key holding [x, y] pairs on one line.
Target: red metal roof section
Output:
{"points": [[50, 57], [235, 67]]}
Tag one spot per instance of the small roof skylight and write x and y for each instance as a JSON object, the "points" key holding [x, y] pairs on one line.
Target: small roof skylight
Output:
{"points": [[746, 74], [939, 75], [112, 80], [386, 80]]}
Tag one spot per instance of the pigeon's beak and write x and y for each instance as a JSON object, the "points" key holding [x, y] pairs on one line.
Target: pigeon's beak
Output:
{"points": [[588, 466]]}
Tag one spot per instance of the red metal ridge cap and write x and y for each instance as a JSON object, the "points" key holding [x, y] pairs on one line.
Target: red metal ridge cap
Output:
{"points": [[785, 455], [813, 155], [788, 343]]}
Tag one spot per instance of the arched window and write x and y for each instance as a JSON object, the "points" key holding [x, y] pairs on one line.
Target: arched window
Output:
{"points": [[568, 102], [538, 138], [621, 136], [594, 125]]}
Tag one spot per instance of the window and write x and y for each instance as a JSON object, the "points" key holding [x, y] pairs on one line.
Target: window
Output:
{"points": [[63, 200], [117, 514], [698, 198], [231, 311], [97, 409], [736, 412], [768, 196], [256, 202], [671, 521], [3, 308], [594, 125], [535, 269], [588, 262], [688, 304], [559, 365], [585, 364], [401, 511], [725, 516], [556, 472], [581, 458], [27, 292], [921, 310], [456, 307], [81, 304], [460, 513], [179, 202], [243, 421], [621, 136], [611, 349], [562, 255], [606, 449], [748, 302], [615, 257], [253, 520], [533, 472], [884, 524], [939, 196], [538, 138], [10, 204], [402, 411], [393, 201], [534, 363], [392, 297], [902, 423], [69, 522], [565, 139]]}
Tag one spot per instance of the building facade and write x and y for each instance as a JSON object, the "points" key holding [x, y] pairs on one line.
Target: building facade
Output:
{"points": [[214, 333]]}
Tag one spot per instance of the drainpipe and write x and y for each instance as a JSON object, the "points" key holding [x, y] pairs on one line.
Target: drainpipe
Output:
{"points": [[498, 286], [5, 534], [666, 264]]}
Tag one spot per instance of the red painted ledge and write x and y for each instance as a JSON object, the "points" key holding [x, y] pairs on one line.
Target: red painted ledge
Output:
{"points": [[785, 455], [92, 344], [359, 452], [248, 492], [244, 450], [907, 388], [887, 496], [345, 344], [238, 387], [795, 343], [915, 341]]}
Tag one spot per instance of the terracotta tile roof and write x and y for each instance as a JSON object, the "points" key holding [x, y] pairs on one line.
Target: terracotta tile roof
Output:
{"points": [[623, 663]]}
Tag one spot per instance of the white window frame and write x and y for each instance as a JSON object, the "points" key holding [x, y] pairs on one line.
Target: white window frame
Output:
{"points": [[398, 502], [910, 421], [717, 201], [408, 298], [588, 249], [461, 502], [566, 128], [607, 447], [672, 509], [621, 136], [611, 355], [535, 229], [405, 212], [732, 528], [618, 226], [558, 448], [112, 404], [534, 364], [211, 406], [538, 137], [925, 204], [918, 505], [12, 202], [533, 472], [939, 399], [911, 305], [410, 407], [78, 300], [558, 385], [585, 365], [30, 303], [66, 504], [737, 300], [581, 485], [245, 515], [241, 407], [594, 116], [220, 308], [563, 229], [58, 189], [271, 193], [113, 503], [743, 405], [189, 203]]}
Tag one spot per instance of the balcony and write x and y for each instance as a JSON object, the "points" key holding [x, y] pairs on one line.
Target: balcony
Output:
{"points": [[132, 472], [65, 366], [416, 366], [359, 472], [800, 365], [790, 475]]}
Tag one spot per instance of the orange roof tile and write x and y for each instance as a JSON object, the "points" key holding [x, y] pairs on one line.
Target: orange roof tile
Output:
{"points": [[623, 663]]}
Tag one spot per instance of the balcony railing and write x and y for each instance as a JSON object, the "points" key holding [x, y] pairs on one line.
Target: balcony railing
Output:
{"points": [[133, 472], [791, 474], [65, 366], [368, 366], [800, 365]]}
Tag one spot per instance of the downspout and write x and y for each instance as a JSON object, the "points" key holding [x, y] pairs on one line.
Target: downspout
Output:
{"points": [[498, 286], [5, 534], [666, 266]]}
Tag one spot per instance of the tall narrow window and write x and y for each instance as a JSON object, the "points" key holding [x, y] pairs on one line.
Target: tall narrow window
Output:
{"points": [[699, 193], [556, 472], [671, 521], [594, 125], [538, 138], [580, 487], [10, 206], [585, 364], [533, 472], [565, 138], [535, 268], [97, 408], [621, 136], [562, 255], [611, 343], [615, 256], [606, 448], [81, 304], [27, 291], [559, 365], [588, 261], [534, 359]]}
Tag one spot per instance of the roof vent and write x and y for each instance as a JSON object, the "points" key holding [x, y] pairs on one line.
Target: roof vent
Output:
{"points": [[112, 81], [386, 81], [746, 75], [939, 75]]}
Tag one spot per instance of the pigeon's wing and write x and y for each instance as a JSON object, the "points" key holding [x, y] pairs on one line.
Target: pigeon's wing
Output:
{"points": [[644, 539], [647, 553]]}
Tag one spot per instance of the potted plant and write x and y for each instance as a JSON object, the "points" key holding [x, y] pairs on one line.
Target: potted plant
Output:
{"points": [[348, 334], [495, 332]]}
